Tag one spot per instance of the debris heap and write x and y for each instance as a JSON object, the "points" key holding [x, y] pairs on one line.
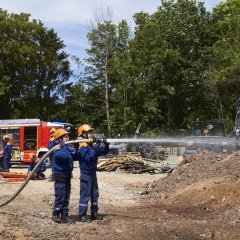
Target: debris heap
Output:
{"points": [[199, 174], [130, 162]]}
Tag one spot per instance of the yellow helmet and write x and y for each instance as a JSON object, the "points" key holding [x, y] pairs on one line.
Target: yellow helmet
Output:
{"points": [[32, 154], [84, 128], [6, 136], [59, 132], [52, 130]]}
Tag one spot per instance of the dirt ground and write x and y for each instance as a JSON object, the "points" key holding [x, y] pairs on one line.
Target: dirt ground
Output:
{"points": [[199, 200]]}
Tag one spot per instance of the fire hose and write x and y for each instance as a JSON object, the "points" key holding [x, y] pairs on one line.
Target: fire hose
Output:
{"points": [[35, 169], [123, 140]]}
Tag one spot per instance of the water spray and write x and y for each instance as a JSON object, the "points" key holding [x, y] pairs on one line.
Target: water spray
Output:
{"points": [[177, 141]]}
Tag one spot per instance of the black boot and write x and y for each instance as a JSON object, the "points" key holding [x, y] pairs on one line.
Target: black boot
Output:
{"points": [[41, 176], [96, 216], [84, 219], [66, 219], [56, 219]]}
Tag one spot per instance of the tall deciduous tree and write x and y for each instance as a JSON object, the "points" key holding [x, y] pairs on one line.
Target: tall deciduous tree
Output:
{"points": [[123, 97], [172, 46], [33, 67], [224, 72], [102, 40]]}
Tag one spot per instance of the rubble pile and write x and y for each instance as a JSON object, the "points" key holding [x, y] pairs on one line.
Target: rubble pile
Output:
{"points": [[204, 168], [127, 163]]}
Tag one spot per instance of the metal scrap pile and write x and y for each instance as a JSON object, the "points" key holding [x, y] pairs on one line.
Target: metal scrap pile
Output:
{"points": [[127, 163]]}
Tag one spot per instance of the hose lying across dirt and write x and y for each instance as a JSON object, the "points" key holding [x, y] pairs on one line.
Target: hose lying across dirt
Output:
{"points": [[35, 168]]}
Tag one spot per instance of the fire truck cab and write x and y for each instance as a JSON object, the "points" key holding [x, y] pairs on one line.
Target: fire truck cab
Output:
{"points": [[28, 135]]}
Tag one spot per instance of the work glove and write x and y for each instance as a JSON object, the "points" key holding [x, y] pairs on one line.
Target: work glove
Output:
{"points": [[98, 141], [95, 146], [104, 144], [71, 148]]}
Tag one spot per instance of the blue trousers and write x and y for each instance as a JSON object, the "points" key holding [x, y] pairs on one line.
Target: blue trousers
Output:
{"points": [[6, 163], [88, 191], [41, 170], [1, 162], [62, 197]]}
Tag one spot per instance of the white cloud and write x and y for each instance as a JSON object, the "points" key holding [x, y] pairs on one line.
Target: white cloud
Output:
{"points": [[77, 11], [68, 17], [80, 11]]}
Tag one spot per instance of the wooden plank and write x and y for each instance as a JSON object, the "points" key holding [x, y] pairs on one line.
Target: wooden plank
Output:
{"points": [[14, 179], [13, 175]]}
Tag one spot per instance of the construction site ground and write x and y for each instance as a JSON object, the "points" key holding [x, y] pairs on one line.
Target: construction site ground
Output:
{"points": [[199, 200]]}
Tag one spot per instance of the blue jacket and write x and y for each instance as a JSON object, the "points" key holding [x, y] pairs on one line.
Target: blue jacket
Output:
{"points": [[88, 157], [52, 144], [7, 151], [41, 167], [63, 161]]}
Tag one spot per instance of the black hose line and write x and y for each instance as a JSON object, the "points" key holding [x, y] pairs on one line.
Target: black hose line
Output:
{"points": [[35, 168]]}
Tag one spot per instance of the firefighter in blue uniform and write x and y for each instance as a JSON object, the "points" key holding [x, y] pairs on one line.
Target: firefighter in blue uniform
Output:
{"points": [[88, 158], [62, 170], [51, 144], [1, 161], [39, 172], [7, 153]]}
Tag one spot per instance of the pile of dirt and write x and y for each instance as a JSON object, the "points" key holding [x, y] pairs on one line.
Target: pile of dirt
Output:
{"points": [[206, 178], [199, 200]]}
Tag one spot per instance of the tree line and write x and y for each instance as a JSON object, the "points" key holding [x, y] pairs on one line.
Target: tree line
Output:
{"points": [[182, 63]]}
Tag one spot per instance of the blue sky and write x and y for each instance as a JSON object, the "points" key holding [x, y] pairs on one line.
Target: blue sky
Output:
{"points": [[71, 18]]}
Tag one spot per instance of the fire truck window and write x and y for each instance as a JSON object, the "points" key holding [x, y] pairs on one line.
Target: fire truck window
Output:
{"points": [[30, 138], [14, 133]]}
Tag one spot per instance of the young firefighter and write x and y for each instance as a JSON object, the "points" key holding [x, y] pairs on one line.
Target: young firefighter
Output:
{"points": [[1, 161], [88, 154], [51, 144], [62, 170], [7, 153], [39, 172]]}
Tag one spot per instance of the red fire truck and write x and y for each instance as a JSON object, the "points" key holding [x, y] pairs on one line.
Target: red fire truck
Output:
{"points": [[28, 135]]}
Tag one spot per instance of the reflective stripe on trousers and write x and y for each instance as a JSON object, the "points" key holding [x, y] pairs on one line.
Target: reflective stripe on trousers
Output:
{"points": [[88, 191], [62, 196]]}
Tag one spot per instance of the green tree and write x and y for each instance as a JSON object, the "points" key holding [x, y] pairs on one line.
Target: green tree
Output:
{"points": [[224, 72], [99, 67], [34, 68], [172, 48], [123, 116]]}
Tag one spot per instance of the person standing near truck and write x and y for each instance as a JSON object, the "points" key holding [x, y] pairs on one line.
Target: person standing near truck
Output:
{"points": [[7, 153], [88, 158], [1, 161], [51, 144], [62, 171]]}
